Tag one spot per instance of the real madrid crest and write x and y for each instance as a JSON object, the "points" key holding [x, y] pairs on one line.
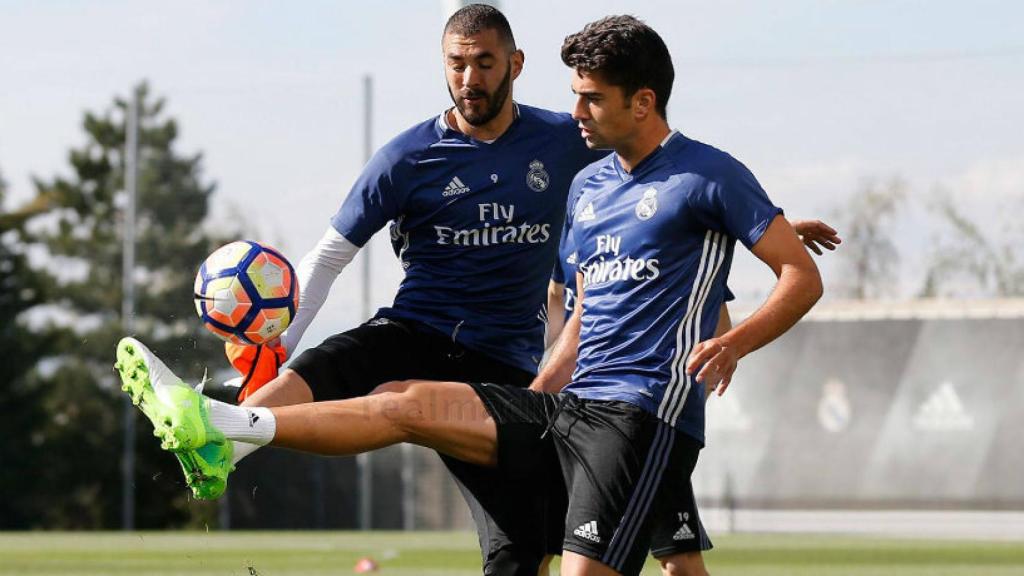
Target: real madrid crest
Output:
{"points": [[647, 205], [537, 178]]}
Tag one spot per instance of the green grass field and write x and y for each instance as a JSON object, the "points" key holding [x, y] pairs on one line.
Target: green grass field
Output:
{"points": [[425, 553]]}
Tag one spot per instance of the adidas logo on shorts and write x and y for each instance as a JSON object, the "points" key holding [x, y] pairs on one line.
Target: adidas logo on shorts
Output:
{"points": [[588, 531], [684, 533]]}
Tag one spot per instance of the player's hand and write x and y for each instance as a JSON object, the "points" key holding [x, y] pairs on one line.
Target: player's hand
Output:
{"points": [[815, 234], [716, 362], [257, 364]]}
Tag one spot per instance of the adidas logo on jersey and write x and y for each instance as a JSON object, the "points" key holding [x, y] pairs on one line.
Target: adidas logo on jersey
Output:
{"points": [[588, 531], [454, 188], [587, 215], [684, 533]]}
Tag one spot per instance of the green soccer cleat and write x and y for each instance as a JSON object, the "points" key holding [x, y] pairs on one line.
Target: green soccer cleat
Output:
{"points": [[206, 469], [179, 414]]}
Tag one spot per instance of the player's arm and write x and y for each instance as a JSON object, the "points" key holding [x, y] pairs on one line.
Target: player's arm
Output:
{"points": [[816, 235], [373, 200], [556, 312], [724, 321], [557, 372], [797, 289], [316, 273]]}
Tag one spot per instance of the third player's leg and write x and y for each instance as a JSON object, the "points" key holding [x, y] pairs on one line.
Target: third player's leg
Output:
{"points": [[574, 564], [678, 537], [446, 416], [684, 564]]}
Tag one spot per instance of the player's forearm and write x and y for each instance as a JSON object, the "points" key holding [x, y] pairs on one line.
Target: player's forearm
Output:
{"points": [[557, 372], [316, 273], [796, 291], [724, 321], [556, 313]]}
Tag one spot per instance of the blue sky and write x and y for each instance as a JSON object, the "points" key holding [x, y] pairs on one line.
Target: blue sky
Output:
{"points": [[814, 96]]}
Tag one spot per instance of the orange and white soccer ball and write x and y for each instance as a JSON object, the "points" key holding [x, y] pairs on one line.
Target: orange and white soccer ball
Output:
{"points": [[246, 293]]}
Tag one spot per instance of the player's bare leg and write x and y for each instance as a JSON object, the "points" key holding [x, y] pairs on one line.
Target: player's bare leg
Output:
{"points": [[446, 416], [684, 564]]}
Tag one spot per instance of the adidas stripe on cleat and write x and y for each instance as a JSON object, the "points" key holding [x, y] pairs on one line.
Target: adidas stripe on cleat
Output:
{"points": [[178, 413]]}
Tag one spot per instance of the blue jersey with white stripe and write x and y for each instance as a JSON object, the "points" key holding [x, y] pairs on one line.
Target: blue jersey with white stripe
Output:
{"points": [[565, 268], [475, 225], [654, 247]]}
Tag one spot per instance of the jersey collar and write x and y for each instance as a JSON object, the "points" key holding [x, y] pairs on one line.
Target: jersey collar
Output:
{"points": [[443, 127], [646, 161]]}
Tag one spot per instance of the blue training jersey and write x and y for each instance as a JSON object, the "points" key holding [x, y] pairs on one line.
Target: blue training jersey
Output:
{"points": [[654, 247], [565, 269], [475, 225]]}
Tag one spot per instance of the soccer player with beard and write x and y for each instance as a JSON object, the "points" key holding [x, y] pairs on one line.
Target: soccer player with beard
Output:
{"points": [[476, 199]]}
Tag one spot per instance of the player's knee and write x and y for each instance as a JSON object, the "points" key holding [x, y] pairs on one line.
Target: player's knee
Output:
{"points": [[393, 387], [401, 404], [688, 564]]}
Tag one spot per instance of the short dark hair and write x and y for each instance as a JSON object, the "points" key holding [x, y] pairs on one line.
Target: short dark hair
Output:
{"points": [[475, 18], [626, 53]]}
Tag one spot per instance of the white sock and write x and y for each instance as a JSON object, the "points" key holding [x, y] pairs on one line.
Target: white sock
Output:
{"points": [[253, 425], [243, 449]]}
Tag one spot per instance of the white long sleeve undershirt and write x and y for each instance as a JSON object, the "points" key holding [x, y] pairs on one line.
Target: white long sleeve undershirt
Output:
{"points": [[316, 273]]}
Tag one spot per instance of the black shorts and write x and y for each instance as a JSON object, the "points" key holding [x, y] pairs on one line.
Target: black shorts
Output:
{"points": [[353, 363], [510, 511], [627, 474]]}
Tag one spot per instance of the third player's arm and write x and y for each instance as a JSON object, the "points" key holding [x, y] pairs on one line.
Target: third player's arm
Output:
{"points": [[556, 312], [816, 235], [724, 321], [797, 289], [557, 372]]}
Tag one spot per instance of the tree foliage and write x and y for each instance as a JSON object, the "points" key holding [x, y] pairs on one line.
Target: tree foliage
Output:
{"points": [[80, 231], [869, 254], [965, 263], [21, 405]]}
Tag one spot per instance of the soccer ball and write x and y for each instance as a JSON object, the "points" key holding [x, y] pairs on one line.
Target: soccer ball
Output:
{"points": [[246, 293]]}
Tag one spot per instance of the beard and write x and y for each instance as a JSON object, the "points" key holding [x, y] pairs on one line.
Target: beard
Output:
{"points": [[493, 102]]}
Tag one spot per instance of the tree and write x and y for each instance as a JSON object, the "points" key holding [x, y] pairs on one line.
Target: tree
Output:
{"points": [[21, 288], [964, 262], [869, 254], [81, 233]]}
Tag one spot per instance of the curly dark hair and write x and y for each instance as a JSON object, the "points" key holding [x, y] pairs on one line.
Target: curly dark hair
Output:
{"points": [[625, 52], [475, 18]]}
